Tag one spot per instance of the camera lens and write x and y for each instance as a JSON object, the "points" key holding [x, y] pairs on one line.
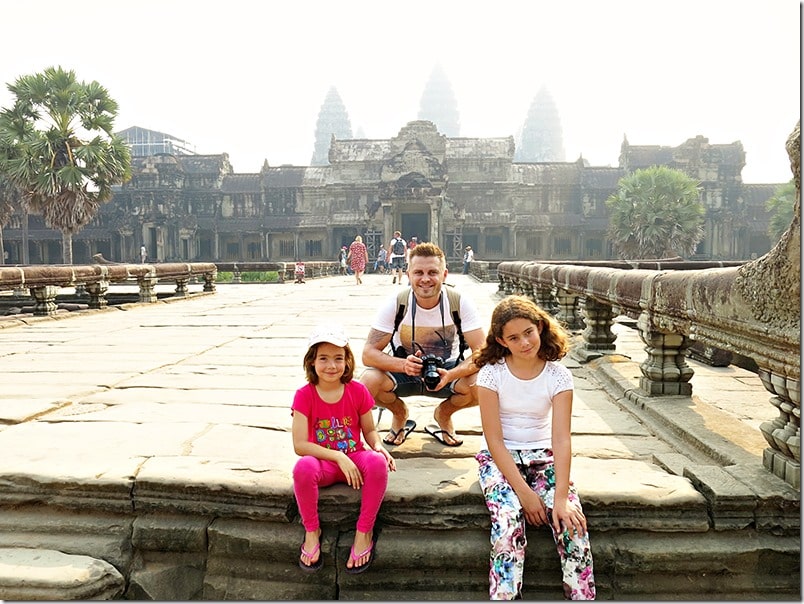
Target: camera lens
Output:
{"points": [[430, 375]]}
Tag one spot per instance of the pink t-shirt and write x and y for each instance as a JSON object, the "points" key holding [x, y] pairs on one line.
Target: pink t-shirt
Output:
{"points": [[334, 425]]}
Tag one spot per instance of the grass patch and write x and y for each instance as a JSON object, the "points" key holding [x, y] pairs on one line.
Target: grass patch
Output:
{"points": [[249, 277]]}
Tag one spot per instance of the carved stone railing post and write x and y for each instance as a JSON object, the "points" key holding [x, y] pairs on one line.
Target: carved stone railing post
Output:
{"points": [[597, 336], [181, 288], [44, 300], [147, 285], [543, 296], [568, 309], [97, 294], [209, 282], [665, 371], [508, 287], [527, 289], [783, 434]]}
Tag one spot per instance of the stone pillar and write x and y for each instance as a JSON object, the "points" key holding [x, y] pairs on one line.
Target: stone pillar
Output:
{"points": [[543, 296], [181, 288], [783, 434], [665, 371], [45, 300], [147, 285], [568, 312], [597, 336], [209, 282], [97, 294]]}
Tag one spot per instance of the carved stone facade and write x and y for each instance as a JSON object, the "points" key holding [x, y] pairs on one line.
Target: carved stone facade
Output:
{"points": [[453, 191]]}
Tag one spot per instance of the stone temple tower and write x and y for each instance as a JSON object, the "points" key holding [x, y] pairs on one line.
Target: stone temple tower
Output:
{"points": [[542, 138], [438, 104], [332, 119]]}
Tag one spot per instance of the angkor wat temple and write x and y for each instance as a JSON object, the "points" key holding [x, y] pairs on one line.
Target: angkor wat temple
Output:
{"points": [[453, 191]]}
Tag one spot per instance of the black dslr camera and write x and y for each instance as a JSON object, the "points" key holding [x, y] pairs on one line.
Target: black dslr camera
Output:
{"points": [[430, 365]]}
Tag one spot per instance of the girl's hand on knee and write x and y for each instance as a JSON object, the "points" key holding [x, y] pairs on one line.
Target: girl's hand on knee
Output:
{"points": [[353, 476], [534, 509]]}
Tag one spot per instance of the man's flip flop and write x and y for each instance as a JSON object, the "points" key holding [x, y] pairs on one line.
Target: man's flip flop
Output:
{"points": [[409, 427], [437, 432]]}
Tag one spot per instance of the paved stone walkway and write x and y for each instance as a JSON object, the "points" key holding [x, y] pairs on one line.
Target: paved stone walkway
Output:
{"points": [[96, 394]]}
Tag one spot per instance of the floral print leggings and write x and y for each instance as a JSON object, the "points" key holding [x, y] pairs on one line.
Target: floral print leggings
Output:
{"points": [[508, 539]]}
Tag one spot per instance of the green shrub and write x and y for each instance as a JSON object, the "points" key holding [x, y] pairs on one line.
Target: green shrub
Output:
{"points": [[248, 277]]}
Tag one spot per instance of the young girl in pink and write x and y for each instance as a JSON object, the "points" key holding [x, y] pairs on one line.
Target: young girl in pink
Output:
{"points": [[525, 398], [329, 414]]}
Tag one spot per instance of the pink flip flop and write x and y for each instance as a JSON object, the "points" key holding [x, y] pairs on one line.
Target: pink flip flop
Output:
{"points": [[311, 568], [356, 570]]}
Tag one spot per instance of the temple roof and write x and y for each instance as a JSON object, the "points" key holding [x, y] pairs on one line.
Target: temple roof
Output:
{"points": [[359, 149], [283, 176], [241, 183], [480, 148]]}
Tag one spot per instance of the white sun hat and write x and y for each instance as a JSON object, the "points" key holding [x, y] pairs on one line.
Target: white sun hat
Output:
{"points": [[333, 334]]}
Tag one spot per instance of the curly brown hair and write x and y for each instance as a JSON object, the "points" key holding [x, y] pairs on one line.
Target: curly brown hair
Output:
{"points": [[554, 338], [309, 364]]}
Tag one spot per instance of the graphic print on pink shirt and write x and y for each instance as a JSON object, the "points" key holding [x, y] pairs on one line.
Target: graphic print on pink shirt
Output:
{"points": [[334, 433]]}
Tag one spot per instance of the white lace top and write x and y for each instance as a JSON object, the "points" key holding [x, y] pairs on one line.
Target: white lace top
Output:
{"points": [[525, 405]]}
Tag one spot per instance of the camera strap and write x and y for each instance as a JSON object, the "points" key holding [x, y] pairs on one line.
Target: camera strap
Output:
{"points": [[413, 343], [454, 302]]}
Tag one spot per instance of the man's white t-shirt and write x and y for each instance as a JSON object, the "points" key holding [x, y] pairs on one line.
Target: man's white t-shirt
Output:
{"points": [[434, 334], [526, 407]]}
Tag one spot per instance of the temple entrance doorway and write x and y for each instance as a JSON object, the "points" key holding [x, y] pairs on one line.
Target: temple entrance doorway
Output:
{"points": [[416, 224]]}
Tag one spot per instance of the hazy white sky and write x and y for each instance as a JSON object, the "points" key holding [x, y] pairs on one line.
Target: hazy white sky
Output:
{"points": [[248, 77]]}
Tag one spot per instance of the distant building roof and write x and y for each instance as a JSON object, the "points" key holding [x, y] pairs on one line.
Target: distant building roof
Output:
{"points": [[150, 142]]}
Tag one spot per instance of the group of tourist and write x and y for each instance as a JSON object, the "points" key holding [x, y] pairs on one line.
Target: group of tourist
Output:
{"points": [[513, 373]]}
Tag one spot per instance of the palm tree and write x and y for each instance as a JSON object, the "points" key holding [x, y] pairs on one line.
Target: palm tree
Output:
{"points": [[780, 207], [57, 145], [655, 213], [10, 202]]}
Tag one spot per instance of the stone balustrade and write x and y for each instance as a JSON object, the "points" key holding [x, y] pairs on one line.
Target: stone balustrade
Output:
{"points": [[45, 281], [753, 309], [673, 308]]}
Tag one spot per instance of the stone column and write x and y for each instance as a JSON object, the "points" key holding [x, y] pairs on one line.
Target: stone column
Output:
{"points": [[597, 336], [209, 282], [181, 288], [665, 371], [147, 285], [543, 296], [45, 300], [783, 434], [97, 294], [568, 312]]}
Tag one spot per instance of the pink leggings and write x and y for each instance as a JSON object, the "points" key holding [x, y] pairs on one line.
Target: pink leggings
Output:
{"points": [[311, 473]]}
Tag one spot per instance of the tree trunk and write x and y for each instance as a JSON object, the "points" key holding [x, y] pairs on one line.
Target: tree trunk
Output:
{"points": [[66, 247], [26, 256], [2, 248]]}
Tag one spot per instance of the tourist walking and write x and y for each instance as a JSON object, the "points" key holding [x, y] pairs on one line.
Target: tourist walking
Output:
{"points": [[143, 254], [335, 436], [468, 257], [397, 255], [379, 263], [358, 257], [426, 322], [525, 454], [342, 254]]}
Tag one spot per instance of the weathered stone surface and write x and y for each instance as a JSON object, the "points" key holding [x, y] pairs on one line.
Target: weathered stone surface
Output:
{"points": [[42, 574], [186, 489]]}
